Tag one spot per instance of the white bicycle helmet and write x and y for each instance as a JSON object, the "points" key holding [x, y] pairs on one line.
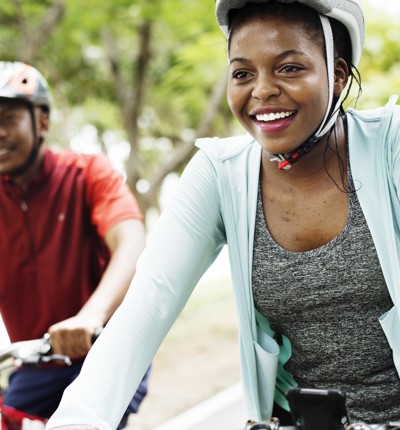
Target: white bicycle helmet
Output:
{"points": [[350, 14], [20, 81], [23, 82]]}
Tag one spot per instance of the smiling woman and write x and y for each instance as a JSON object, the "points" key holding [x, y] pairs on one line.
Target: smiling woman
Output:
{"points": [[305, 202]]}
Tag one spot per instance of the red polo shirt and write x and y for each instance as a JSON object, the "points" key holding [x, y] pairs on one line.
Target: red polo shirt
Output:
{"points": [[52, 252]]}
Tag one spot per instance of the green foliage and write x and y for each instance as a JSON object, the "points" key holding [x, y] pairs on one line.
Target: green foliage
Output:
{"points": [[187, 60], [188, 54], [380, 64]]}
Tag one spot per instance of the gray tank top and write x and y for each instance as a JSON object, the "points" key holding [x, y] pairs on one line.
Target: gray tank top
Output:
{"points": [[327, 302]]}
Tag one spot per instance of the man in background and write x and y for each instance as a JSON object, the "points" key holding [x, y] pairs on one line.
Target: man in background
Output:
{"points": [[71, 233]]}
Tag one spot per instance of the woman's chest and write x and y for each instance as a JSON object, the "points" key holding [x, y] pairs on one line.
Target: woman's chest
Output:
{"points": [[301, 222]]}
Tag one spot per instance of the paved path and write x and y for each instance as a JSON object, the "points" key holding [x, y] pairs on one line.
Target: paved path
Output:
{"points": [[224, 411]]}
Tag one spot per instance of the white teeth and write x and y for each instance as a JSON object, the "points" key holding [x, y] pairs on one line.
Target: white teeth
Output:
{"points": [[4, 151], [272, 116]]}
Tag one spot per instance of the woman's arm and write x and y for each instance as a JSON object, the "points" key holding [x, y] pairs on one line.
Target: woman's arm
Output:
{"points": [[186, 240]]}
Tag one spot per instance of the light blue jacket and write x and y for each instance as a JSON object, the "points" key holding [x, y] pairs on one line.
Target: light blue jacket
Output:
{"points": [[215, 204]]}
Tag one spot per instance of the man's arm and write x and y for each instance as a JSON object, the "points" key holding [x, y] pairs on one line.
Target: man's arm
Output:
{"points": [[73, 336]]}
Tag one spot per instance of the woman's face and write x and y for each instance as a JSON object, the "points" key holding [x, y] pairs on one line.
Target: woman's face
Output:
{"points": [[278, 85]]}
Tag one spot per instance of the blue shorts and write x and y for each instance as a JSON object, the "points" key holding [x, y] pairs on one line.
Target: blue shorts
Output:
{"points": [[38, 391]]}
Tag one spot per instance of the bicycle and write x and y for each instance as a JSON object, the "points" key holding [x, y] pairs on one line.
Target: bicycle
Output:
{"points": [[314, 409], [273, 424], [25, 353]]}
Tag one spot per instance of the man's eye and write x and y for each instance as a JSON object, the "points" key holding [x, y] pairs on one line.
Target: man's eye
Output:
{"points": [[10, 119]]}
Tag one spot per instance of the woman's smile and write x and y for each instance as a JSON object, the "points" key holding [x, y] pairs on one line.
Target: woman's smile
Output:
{"points": [[273, 121]]}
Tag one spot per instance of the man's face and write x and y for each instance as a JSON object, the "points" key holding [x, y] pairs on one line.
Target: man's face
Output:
{"points": [[16, 134]]}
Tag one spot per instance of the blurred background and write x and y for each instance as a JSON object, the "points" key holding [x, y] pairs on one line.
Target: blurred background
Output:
{"points": [[140, 80]]}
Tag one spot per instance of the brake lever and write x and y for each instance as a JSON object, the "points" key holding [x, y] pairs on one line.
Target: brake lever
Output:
{"points": [[34, 352], [64, 359], [40, 354]]}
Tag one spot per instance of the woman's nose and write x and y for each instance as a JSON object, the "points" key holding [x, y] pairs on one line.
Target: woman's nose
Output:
{"points": [[265, 87]]}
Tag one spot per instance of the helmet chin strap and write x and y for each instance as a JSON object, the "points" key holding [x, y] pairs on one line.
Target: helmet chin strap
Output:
{"points": [[20, 170], [285, 161]]}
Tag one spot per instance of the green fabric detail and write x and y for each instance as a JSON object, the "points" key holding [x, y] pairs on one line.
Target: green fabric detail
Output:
{"points": [[284, 379]]}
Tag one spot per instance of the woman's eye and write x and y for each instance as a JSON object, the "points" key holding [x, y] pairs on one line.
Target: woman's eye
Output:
{"points": [[240, 74], [290, 68]]}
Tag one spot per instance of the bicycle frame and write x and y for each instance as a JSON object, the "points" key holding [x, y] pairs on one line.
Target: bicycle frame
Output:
{"points": [[25, 353], [13, 419]]}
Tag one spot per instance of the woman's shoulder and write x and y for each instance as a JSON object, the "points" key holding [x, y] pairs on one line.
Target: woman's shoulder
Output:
{"points": [[367, 115], [373, 125], [375, 114], [228, 147]]}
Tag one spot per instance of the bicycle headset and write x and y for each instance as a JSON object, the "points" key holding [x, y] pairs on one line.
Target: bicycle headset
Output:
{"points": [[350, 14], [20, 81]]}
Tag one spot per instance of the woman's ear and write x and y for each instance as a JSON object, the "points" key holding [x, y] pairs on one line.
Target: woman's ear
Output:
{"points": [[341, 76]]}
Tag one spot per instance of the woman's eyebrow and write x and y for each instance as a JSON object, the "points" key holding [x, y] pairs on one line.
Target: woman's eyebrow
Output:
{"points": [[280, 56], [291, 52], [238, 60]]}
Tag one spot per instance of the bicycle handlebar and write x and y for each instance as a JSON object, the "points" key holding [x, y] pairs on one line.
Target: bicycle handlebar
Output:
{"points": [[273, 424], [30, 353], [38, 351], [34, 352]]}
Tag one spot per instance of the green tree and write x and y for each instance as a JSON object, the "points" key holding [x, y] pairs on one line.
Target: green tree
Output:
{"points": [[155, 70], [380, 64], [151, 72]]}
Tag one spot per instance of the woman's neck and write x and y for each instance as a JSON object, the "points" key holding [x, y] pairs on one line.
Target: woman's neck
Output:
{"points": [[324, 162]]}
